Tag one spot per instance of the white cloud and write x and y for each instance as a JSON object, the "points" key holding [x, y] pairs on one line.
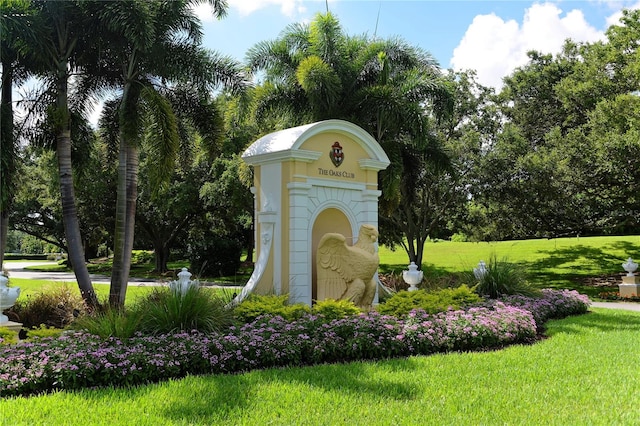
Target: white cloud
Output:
{"points": [[494, 48], [614, 19]]}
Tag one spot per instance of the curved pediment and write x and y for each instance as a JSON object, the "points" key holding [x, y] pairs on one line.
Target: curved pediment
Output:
{"points": [[289, 144]]}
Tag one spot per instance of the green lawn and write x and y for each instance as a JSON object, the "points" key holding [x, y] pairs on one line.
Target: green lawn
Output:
{"points": [[29, 287], [555, 263], [585, 373]]}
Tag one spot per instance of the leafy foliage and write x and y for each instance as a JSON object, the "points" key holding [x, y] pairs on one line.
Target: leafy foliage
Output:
{"points": [[54, 307], [503, 278], [335, 309], [43, 332], [258, 305], [8, 337], [214, 255], [403, 302], [169, 311]]}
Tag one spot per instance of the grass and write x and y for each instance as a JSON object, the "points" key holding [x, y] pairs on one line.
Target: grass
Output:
{"points": [[553, 263], [584, 374], [29, 287]]}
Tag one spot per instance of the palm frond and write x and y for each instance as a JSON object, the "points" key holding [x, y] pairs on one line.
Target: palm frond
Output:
{"points": [[161, 136]]}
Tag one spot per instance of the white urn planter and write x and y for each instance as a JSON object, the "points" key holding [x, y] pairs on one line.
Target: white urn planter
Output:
{"points": [[8, 296], [413, 277], [630, 286]]}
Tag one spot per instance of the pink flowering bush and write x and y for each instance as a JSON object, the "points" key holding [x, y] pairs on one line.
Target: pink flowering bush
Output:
{"points": [[551, 304], [461, 330], [80, 360]]}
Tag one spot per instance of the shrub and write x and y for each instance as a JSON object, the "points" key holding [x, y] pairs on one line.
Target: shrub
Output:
{"points": [[271, 305], [503, 278], [55, 307], [141, 257], [441, 300], [335, 309], [110, 322], [550, 304], [167, 311], [8, 337], [43, 332], [459, 237], [214, 256]]}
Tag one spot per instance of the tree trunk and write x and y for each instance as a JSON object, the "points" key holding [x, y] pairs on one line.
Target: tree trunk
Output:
{"points": [[4, 229], [131, 199], [115, 289], [7, 162], [126, 200], [69, 212], [161, 253]]}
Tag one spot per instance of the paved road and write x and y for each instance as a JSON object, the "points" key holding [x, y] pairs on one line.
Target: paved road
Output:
{"points": [[16, 270], [628, 306]]}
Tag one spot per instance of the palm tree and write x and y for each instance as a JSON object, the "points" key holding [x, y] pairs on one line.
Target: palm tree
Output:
{"points": [[387, 87], [153, 44], [12, 21], [52, 39]]}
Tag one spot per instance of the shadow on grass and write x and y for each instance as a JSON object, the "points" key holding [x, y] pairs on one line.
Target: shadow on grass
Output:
{"points": [[570, 267], [605, 320], [605, 259], [221, 397]]}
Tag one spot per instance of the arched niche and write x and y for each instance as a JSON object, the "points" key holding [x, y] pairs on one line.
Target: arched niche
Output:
{"points": [[329, 220]]}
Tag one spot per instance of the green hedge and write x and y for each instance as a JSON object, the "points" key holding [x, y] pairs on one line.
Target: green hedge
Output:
{"points": [[22, 256]]}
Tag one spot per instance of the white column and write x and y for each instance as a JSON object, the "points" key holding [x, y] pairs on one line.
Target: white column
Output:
{"points": [[299, 244]]}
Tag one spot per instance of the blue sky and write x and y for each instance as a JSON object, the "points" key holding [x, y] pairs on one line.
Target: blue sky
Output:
{"points": [[491, 37]]}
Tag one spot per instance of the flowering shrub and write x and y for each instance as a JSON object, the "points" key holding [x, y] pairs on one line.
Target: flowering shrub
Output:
{"points": [[551, 304], [474, 328], [77, 360]]}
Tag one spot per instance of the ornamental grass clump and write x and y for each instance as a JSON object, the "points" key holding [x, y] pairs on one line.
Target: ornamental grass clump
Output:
{"points": [[166, 311], [502, 278], [111, 322]]}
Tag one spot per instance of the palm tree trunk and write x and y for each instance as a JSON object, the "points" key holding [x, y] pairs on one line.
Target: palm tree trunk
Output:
{"points": [[125, 202], [4, 228], [115, 289], [7, 148], [130, 218], [69, 212]]}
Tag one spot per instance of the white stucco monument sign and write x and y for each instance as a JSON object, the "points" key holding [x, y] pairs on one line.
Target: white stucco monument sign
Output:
{"points": [[309, 181]]}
